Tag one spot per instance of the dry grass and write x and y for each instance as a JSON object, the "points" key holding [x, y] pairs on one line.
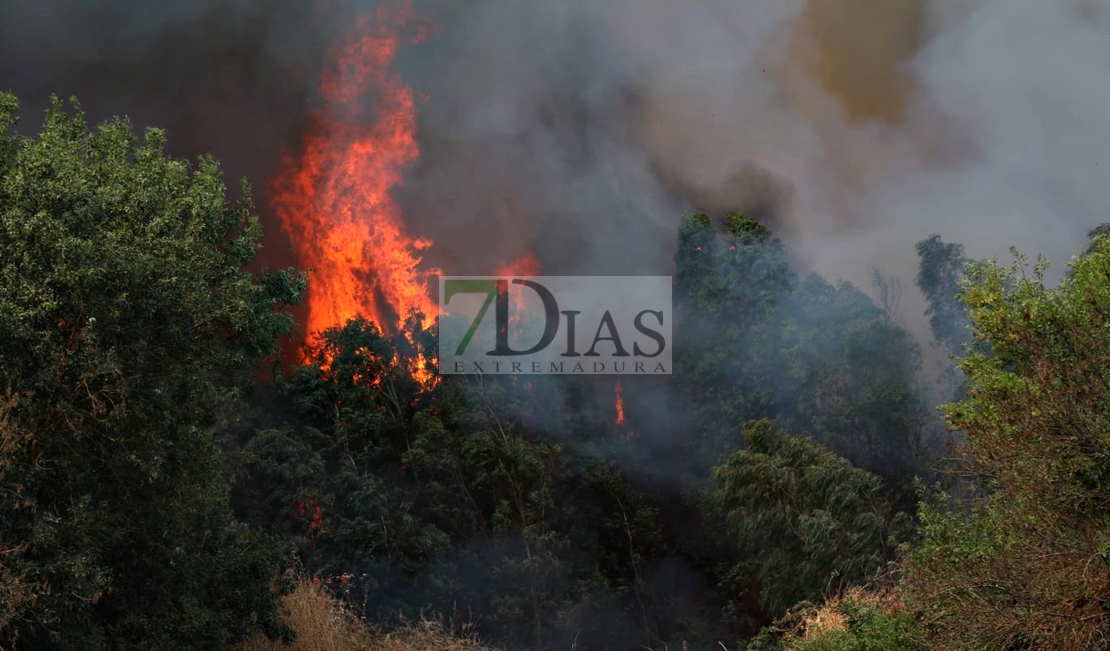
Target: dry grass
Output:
{"points": [[817, 622], [324, 623], [1047, 595], [820, 621], [830, 617], [425, 636]]}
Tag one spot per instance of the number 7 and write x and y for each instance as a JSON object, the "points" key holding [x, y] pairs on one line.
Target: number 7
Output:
{"points": [[457, 286]]}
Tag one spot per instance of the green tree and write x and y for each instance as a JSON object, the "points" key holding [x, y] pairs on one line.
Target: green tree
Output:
{"points": [[1096, 233], [755, 340], [737, 274], [940, 270], [1026, 566], [846, 374], [341, 471], [128, 332], [727, 284], [810, 519]]}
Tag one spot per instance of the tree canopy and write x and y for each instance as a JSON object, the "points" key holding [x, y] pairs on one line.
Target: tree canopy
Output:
{"points": [[128, 331], [810, 517], [755, 340]]}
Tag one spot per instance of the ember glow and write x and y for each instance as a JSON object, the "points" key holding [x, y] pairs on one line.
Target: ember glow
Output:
{"points": [[618, 406], [334, 199]]}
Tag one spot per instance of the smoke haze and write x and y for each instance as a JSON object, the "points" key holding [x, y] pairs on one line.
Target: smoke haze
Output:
{"points": [[581, 131]]}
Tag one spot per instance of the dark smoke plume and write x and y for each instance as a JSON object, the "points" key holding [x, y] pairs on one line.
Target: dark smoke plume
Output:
{"points": [[581, 130]]}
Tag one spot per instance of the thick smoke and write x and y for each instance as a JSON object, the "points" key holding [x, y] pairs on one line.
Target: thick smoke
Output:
{"points": [[232, 78], [855, 127], [581, 130]]}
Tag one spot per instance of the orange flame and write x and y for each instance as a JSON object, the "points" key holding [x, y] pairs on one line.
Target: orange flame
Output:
{"points": [[525, 266], [618, 406], [335, 200], [619, 403]]}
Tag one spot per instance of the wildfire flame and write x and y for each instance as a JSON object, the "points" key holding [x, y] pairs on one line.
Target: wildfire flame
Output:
{"points": [[618, 406], [525, 266], [619, 403], [334, 200]]}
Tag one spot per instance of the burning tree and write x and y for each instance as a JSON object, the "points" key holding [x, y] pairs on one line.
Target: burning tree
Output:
{"points": [[335, 196], [335, 200]]}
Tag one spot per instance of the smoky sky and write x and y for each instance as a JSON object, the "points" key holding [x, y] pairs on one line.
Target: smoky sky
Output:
{"points": [[233, 79], [583, 130]]}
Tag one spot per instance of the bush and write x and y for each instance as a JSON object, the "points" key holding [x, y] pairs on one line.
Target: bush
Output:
{"points": [[860, 620], [321, 622]]}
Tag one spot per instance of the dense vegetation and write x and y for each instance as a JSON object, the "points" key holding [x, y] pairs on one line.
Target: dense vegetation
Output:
{"points": [[160, 477]]}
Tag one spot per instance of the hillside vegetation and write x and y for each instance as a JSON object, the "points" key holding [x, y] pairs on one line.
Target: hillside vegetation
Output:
{"points": [[164, 470]]}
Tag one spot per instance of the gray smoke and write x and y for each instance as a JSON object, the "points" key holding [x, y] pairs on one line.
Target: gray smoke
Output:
{"points": [[232, 78], [582, 130]]}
